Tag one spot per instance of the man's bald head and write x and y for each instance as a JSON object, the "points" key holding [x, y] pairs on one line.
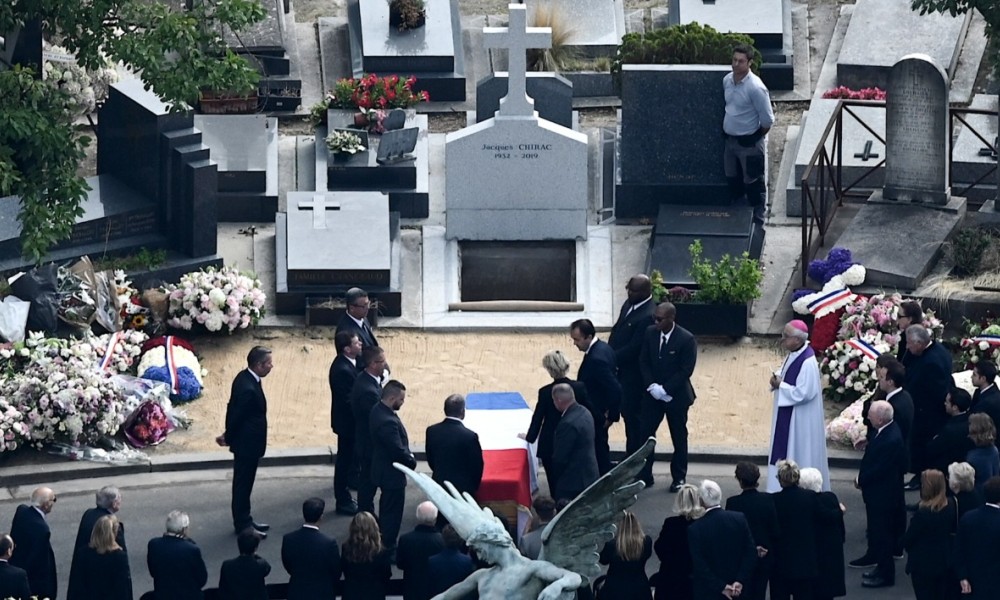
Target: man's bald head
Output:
{"points": [[639, 288]]}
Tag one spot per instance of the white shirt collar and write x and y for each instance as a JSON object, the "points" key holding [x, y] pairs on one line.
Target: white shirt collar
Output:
{"points": [[986, 388], [453, 419], [665, 335], [893, 393], [592, 342], [360, 322], [353, 361], [40, 511], [711, 508], [638, 304], [255, 376], [308, 526], [882, 427]]}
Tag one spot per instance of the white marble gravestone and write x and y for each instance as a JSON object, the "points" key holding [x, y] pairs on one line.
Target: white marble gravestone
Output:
{"points": [[516, 176]]}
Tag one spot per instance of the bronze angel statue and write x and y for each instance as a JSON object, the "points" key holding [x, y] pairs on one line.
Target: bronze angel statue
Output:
{"points": [[570, 542]]}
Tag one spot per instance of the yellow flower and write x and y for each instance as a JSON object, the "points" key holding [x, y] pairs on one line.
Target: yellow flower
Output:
{"points": [[138, 321]]}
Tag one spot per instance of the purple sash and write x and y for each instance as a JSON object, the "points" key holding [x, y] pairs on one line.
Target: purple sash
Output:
{"points": [[783, 423]]}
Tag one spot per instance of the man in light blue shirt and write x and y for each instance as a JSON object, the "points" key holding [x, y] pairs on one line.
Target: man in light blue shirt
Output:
{"points": [[748, 119]]}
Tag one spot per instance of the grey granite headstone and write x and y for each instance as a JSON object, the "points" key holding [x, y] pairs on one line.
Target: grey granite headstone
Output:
{"points": [[322, 233], [881, 32], [760, 19], [516, 176], [551, 92], [670, 145], [396, 119], [397, 145], [916, 168]]}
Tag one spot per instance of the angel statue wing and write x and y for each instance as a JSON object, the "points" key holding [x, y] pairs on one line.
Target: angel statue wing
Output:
{"points": [[574, 538]]}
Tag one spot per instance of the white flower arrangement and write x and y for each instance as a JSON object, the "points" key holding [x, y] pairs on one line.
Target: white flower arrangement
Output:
{"points": [[848, 372], [344, 142], [183, 357], [84, 89], [127, 348], [849, 428], [216, 299]]}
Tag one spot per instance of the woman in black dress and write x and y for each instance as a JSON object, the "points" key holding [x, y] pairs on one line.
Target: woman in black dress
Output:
{"points": [[367, 566], [106, 574], [545, 418], [928, 540], [830, 537], [626, 557], [674, 580]]}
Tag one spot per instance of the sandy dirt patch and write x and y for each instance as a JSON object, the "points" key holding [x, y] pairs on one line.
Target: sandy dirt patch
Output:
{"points": [[733, 409]]}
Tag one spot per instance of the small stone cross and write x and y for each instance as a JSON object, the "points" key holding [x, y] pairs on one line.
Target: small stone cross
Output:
{"points": [[991, 151], [517, 38], [867, 153], [319, 205]]}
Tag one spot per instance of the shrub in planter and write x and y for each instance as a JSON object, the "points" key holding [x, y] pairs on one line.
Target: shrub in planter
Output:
{"points": [[367, 93], [966, 248], [691, 44]]}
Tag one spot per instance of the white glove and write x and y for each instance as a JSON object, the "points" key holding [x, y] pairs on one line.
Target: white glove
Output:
{"points": [[657, 392]]}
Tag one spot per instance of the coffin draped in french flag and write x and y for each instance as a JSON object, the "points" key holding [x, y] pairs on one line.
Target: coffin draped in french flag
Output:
{"points": [[509, 464]]}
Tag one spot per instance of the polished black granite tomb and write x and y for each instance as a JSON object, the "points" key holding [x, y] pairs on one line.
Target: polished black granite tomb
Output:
{"points": [[551, 93], [721, 229], [518, 271]]}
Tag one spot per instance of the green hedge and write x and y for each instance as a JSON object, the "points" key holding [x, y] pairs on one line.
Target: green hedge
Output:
{"points": [[691, 44]]}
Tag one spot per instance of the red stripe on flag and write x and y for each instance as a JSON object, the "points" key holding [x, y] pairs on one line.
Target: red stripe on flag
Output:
{"points": [[505, 477]]}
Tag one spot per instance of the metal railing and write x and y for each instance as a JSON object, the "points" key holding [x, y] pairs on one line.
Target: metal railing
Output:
{"points": [[822, 182]]}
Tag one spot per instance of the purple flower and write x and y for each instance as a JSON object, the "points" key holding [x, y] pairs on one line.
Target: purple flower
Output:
{"points": [[799, 293], [839, 255]]}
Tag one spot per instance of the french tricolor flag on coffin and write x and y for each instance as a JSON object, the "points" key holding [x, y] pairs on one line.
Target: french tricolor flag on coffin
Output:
{"points": [[509, 469]]}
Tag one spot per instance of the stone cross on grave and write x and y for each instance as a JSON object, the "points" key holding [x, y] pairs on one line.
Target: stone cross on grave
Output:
{"points": [[319, 205], [867, 153], [517, 38]]}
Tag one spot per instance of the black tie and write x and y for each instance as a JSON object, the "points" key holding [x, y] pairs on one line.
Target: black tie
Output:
{"points": [[663, 342]]}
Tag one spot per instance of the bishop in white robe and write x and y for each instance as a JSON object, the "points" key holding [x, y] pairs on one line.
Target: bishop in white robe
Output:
{"points": [[798, 426]]}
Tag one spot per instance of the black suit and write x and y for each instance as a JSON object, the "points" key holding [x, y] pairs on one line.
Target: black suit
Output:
{"points": [[544, 421], [951, 444], [177, 567], [454, 454], [796, 565], [879, 478], [87, 522], [987, 402], [242, 578], [107, 576], [33, 550], [414, 549], [758, 508], [364, 333], [389, 444], [626, 340], [312, 560], [365, 394], [723, 552], [573, 453], [13, 582], [928, 379], [246, 434], [978, 551], [672, 367], [928, 542], [342, 376], [599, 374]]}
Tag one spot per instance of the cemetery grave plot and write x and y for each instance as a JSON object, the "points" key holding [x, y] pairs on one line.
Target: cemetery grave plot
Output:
{"points": [[245, 147]]}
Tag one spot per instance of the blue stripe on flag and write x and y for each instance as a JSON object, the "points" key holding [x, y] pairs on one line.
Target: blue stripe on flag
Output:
{"points": [[495, 401]]}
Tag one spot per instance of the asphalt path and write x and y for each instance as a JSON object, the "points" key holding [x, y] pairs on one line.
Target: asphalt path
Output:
{"points": [[277, 500]]}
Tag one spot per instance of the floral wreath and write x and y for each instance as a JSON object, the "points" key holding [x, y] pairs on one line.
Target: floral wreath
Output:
{"points": [[172, 360]]}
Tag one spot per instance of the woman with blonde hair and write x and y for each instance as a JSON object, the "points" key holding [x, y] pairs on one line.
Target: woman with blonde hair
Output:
{"points": [[106, 573], [545, 418], [626, 557], [928, 540], [366, 564], [984, 457], [674, 580]]}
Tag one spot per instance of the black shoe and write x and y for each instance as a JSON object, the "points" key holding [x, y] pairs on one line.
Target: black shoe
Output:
{"points": [[676, 486], [262, 527], [877, 582], [347, 509], [649, 482], [261, 534], [862, 563]]}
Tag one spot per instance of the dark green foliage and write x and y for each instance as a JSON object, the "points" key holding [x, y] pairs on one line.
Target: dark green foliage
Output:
{"points": [[143, 260], [966, 250], [691, 44], [39, 153]]}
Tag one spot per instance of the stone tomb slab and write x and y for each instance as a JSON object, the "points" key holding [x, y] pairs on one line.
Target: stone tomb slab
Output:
{"points": [[883, 31], [111, 211], [722, 230], [322, 239], [972, 160], [516, 179], [597, 25], [433, 53], [551, 93], [362, 171], [763, 20], [899, 261], [670, 146]]}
